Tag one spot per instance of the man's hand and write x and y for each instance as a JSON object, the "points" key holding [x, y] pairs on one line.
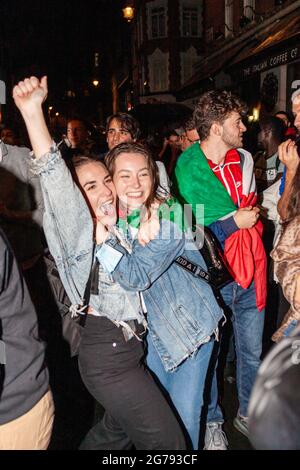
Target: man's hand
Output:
{"points": [[246, 217], [30, 94], [288, 155], [149, 226]]}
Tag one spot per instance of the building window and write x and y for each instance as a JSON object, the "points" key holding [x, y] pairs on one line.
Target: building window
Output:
{"points": [[190, 22], [157, 19], [158, 71], [191, 18], [188, 61], [158, 23], [249, 9]]}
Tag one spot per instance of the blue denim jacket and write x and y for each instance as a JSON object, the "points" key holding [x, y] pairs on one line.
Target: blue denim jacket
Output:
{"points": [[182, 310], [68, 227]]}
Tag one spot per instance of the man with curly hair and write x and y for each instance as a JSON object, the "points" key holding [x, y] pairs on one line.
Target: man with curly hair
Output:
{"points": [[217, 176]]}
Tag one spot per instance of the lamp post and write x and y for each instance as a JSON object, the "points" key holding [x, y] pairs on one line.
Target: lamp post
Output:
{"points": [[128, 12], [129, 15]]}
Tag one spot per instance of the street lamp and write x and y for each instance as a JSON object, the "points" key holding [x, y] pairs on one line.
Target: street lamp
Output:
{"points": [[128, 12], [95, 83]]}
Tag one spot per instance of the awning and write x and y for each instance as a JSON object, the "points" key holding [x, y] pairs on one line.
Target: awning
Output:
{"points": [[276, 45], [271, 46], [209, 67]]}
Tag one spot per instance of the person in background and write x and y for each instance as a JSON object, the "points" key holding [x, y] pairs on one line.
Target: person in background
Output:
{"points": [[8, 136], [26, 404], [78, 141], [290, 130], [190, 135], [21, 204], [286, 254], [289, 156], [124, 128], [267, 167], [120, 128], [171, 149]]}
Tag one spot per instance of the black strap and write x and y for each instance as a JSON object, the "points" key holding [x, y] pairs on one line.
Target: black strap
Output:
{"points": [[194, 269], [94, 278], [88, 291]]}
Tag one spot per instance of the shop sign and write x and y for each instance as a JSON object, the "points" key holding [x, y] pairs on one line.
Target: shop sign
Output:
{"points": [[275, 60]]}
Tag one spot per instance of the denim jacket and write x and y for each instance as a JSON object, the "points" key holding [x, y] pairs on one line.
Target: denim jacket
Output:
{"points": [[182, 310], [68, 227]]}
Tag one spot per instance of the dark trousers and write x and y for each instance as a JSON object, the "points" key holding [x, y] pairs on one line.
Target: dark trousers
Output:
{"points": [[136, 411]]}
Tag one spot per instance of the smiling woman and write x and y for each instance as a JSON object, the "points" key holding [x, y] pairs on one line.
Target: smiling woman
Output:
{"points": [[136, 182], [97, 188]]}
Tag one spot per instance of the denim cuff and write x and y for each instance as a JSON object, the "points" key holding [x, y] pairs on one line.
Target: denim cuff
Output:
{"points": [[45, 163], [108, 257]]}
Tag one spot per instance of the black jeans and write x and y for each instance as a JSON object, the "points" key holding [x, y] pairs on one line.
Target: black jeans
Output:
{"points": [[136, 411]]}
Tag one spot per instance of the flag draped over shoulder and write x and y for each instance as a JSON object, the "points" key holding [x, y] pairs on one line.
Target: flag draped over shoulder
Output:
{"points": [[197, 185]]}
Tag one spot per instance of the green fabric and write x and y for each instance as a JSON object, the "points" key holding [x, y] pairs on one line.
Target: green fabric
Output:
{"points": [[196, 184], [170, 210], [132, 219]]}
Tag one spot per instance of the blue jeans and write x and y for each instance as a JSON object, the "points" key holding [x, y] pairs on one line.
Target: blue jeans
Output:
{"points": [[184, 386], [248, 325]]}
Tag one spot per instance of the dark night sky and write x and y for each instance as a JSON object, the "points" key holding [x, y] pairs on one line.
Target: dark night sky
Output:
{"points": [[58, 38]]}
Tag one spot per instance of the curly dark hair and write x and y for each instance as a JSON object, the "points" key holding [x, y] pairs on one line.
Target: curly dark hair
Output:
{"points": [[215, 106], [137, 148]]}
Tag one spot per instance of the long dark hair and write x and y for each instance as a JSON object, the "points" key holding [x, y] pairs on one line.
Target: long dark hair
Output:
{"points": [[133, 147], [293, 208], [78, 162]]}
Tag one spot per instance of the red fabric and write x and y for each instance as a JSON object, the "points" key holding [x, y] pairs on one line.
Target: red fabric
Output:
{"points": [[291, 132], [231, 172], [246, 257]]}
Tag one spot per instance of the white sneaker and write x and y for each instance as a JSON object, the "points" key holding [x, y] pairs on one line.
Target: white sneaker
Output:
{"points": [[215, 437]]}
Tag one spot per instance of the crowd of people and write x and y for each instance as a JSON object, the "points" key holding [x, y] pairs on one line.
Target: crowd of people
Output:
{"points": [[124, 230]]}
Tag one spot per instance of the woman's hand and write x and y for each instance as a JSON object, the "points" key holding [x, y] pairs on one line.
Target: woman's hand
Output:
{"points": [[288, 155], [29, 94], [149, 226]]}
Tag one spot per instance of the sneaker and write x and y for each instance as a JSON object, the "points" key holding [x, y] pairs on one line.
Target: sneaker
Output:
{"points": [[241, 424], [215, 437]]}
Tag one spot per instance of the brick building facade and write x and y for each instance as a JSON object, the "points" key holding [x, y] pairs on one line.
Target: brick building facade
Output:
{"points": [[184, 47]]}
